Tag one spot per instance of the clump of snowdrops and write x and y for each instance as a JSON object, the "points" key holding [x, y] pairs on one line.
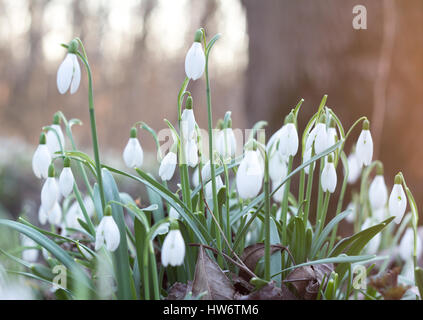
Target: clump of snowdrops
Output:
{"points": [[233, 227]]}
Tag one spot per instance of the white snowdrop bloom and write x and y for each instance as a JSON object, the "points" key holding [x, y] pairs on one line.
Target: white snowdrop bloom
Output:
{"points": [[307, 157], [41, 159], [89, 206], [380, 214], [66, 181], [288, 140], [397, 201], [378, 192], [133, 154], [30, 255], [195, 179], [42, 216], [249, 178], [273, 140], [55, 139], [191, 153], [209, 187], [16, 291], [49, 194], [321, 141], [195, 60], [162, 229], [278, 167], [311, 138], [329, 178], [73, 214], [188, 123], [373, 245], [226, 143], [351, 217], [354, 168], [173, 213], [173, 249], [69, 74], [332, 136], [55, 215], [406, 246], [107, 233], [364, 147], [278, 196], [206, 172], [167, 166]]}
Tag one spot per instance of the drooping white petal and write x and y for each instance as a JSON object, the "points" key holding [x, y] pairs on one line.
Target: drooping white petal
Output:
{"points": [[42, 216], [331, 137], [378, 215], [373, 245], [226, 143], [55, 214], [329, 178], [55, 139], [195, 180], [41, 161], [30, 255], [111, 233], [321, 141], [351, 217], [378, 193], [99, 235], [354, 168], [167, 166], [188, 124], [76, 76], [195, 61], [288, 141], [65, 74], [66, 181], [89, 205], [191, 153], [173, 213], [278, 168], [249, 178], [133, 154], [364, 148], [278, 196], [209, 187], [406, 246], [49, 194], [173, 249], [307, 157], [273, 140], [397, 203], [311, 138]]}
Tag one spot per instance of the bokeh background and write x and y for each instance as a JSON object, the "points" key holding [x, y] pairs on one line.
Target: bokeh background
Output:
{"points": [[271, 54]]}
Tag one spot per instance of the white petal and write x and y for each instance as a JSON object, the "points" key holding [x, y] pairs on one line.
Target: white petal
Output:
{"points": [[99, 235], [329, 178], [41, 161], [42, 216], [76, 76], [111, 233], [195, 61], [397, 203], [354, 168], [278, 168], [321, 141], [173, 213], [49, 194], [188, 124], [191, 152], [307, 157], [364, 148], [55, 215], [66, 181], [378, 192], [167, 166], [64, 74], [249, 178], [133, 154], [53, 142]]}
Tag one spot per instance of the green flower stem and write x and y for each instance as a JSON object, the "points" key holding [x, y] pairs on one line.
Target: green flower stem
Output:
{"points": [[210, 132], [284, 207], [267, 218], [84, 210], [308, 193], [93, 123], [153, 271], [228, 225]]}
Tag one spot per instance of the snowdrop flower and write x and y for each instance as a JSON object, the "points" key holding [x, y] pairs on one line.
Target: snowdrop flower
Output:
{"points": [[311, 138], [226, 143], [321, 140], [41, 158], [133, 154], [188, 122], [191, 153], [278, 195], [249, 178], [55, 137], [307, 157], [380, 214], [50, 191], [55, 215], [42, 216], [73, 214], [167, 166], [195, 179], [406, 246], [351, 217], [373, 245], [329, 179], [278, 167], [332, 136], [364, 147], [378, 192], [30, 255], [288, 139], [195, 60], [354, 168], [397, 200], [66, 179], [69, 72], [107, 232], [173, 249], [173, 214]]}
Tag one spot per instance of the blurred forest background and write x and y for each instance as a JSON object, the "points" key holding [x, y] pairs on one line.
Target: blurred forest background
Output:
{"points": [[272, 53]]}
